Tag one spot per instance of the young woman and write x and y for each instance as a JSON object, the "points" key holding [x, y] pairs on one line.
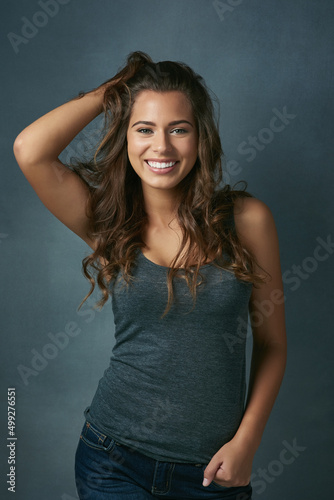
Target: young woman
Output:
{"points": [[185, 262]]}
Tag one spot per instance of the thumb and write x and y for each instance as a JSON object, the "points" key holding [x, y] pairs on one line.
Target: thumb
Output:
{"points": [[210, 471]]}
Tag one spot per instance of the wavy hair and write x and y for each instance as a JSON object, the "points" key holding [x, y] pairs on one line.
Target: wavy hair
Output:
{"points": [[116, 204]]}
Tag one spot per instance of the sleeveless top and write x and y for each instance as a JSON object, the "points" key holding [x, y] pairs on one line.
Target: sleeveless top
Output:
{"points": [[175, 387]]}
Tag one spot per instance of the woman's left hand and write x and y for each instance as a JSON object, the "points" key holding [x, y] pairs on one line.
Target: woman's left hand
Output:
{"points": [[231, 465]]}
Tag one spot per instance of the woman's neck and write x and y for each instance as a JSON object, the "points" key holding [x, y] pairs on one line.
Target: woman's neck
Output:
{"points": [[160, 206]]}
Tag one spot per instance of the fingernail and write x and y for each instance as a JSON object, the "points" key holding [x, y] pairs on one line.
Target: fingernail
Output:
{"points": [[206, 482]]}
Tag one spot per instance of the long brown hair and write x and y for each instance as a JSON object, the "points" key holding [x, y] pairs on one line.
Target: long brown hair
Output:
{"points": [[116, 205]]}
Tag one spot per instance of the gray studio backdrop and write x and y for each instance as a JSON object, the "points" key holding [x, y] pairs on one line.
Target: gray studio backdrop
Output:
{"points": [[270, 64]]}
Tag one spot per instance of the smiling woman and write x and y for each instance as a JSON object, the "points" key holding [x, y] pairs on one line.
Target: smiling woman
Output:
{"points": [[184, 261], [175, 149]]}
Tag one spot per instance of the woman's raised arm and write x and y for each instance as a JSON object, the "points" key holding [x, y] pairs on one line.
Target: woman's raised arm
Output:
{"points": [[37, 148]]}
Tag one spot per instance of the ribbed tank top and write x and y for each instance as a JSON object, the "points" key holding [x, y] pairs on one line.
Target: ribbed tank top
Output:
{"points": [[175, 387]]}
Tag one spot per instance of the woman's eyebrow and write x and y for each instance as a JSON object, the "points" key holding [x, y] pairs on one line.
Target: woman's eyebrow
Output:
{"points": [[177, 122]]}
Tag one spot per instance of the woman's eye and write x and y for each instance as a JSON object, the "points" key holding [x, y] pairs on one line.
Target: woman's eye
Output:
{"points": [[179, 130], [144, 130]]}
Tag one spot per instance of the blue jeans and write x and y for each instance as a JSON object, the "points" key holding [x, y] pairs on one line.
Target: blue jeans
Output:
{"points": [[106, 469]]}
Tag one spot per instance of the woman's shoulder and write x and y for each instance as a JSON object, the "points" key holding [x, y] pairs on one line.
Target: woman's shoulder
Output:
{"points": [[249, 216], [253, 220], [246, 208], [250, 212]]}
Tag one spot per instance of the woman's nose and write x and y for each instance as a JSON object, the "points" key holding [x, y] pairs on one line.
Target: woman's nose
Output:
{"points": [[161, 142]]}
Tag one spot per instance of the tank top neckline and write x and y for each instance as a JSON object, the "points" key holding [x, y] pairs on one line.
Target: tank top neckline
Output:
{"points": [[153, 264]]}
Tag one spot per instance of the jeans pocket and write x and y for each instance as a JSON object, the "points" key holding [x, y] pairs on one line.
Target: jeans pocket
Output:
{"points": [[213, 483], [96, 439], [234, 492], [220, 486]]}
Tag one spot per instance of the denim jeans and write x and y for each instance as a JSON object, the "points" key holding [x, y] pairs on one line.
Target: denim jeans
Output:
{"points": [[106, 469]]}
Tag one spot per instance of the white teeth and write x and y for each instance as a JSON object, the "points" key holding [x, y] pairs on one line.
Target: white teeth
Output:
{"points": [[156, 164]]}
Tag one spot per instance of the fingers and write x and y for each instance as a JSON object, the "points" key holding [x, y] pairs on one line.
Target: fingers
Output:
{"points": [[211, 471]]}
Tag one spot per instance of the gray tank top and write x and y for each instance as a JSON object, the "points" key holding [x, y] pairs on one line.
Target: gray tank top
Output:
{"points": [[175, 387]]}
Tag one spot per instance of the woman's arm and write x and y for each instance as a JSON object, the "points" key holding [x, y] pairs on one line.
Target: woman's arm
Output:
{"points": [[36, 150], [256, 228], [232, 464]]}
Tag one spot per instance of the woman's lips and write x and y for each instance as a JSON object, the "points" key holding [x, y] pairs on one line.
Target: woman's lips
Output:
{"points": [[163, 168]]}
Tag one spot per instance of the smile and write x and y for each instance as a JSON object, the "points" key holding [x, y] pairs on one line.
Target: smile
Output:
{"points": [[158, 164]]}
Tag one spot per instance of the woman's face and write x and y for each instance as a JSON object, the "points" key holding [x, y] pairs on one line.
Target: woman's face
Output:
{"points": [[162, 139]]}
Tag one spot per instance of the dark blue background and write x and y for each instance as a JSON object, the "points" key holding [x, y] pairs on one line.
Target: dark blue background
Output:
{"points": [[258, 58]]}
